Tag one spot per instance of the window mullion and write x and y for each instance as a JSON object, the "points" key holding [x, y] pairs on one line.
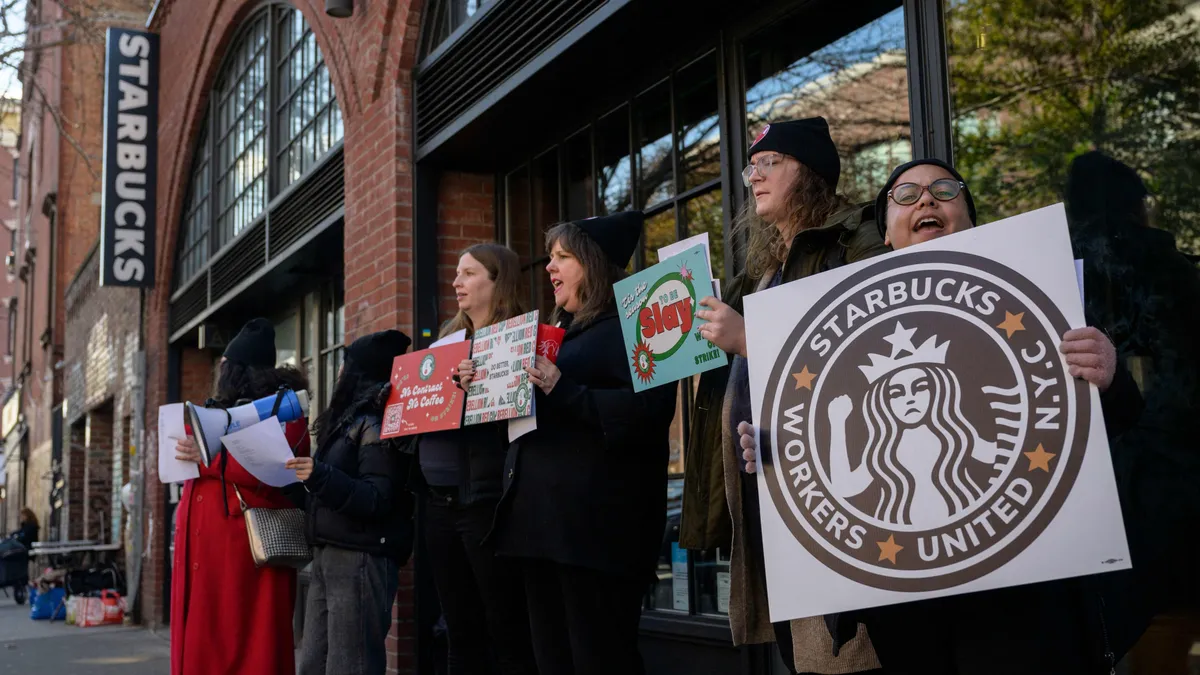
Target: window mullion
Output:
{"points": [[269, 72]]}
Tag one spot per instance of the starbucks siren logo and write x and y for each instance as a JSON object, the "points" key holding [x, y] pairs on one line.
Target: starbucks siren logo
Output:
{"points": [[428, 364], [920, 427], [521, 399]]}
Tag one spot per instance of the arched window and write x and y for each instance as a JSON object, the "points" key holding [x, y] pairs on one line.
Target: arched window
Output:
{"points": [[272, 118]]}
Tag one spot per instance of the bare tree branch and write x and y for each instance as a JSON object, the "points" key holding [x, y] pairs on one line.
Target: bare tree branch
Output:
{"points": [[56, 115]]}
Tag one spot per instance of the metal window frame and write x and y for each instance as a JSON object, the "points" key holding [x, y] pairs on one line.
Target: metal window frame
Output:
{"points": [[270, 14]]}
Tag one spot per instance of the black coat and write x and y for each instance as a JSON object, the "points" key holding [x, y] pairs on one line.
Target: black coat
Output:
{"points": [[480, 450], [27, 535], [589, 486], [357, 498]]}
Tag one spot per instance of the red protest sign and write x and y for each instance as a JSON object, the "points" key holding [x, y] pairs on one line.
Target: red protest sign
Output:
{"points": [[424, 396]]}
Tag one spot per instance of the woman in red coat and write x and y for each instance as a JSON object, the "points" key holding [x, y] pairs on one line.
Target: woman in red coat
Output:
{"points": [[227, 616]]}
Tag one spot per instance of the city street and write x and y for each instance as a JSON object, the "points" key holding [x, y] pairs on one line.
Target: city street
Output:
{"points": [[39, 646]]}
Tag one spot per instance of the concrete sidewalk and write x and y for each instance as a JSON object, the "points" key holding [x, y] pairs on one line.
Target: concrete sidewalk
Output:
{"points": [[28, 646]]}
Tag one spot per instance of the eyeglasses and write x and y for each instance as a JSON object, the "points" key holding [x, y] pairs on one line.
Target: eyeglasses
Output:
{"points": [[942, 190], [763, 166]]}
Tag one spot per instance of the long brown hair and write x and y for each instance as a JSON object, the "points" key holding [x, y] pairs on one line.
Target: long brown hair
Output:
{"points": [[504, 270], [599, 273], [810, 202], [28, 517]]}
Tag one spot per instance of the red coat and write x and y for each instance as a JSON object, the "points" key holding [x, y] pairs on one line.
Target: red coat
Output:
{"points": [[227, 616]]}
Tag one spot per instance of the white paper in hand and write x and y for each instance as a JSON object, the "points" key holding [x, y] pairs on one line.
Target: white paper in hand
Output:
{"points": [[262, 449], [170, 431], [456, 336]]}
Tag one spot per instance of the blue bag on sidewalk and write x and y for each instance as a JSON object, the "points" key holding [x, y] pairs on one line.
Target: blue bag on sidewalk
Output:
{"points": [[49, 606]]}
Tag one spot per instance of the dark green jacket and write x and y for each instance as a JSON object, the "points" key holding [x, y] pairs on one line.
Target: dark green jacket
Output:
{"points": [[850, 235], [713, 515]]}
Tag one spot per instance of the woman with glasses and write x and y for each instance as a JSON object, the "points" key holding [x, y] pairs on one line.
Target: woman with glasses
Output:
{"points": [[795, 225], [1056, 627]]}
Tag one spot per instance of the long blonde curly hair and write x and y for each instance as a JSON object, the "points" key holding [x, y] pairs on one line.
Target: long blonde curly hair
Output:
{"points": [[810, 202]]}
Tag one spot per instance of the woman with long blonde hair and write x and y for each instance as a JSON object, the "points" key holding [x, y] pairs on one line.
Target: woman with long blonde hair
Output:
{"points": [[461, 479]]}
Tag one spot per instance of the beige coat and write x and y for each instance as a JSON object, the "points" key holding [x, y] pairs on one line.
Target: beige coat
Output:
{"points": [[748, 615]]}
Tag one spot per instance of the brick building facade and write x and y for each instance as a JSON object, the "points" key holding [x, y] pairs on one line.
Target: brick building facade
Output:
{"points": [[66, 476], [325, 173]]}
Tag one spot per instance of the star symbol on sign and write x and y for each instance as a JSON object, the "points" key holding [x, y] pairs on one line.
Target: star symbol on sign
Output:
{"points": [[888, 549], [901, 340], [804, 379], [1040, 459], [1012, 323]]}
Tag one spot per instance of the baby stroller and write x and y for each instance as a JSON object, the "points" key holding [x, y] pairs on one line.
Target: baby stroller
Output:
{"points": [[14, 569]]}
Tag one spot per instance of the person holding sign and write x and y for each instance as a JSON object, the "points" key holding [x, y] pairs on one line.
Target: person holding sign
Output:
{"points": [[461, 480], [228, 616], [923, 200], [359, 516], [796, 225], [584, 506]]}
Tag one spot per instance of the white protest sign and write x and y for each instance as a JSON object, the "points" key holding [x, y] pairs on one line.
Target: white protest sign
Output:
{"points": [[921, 435], [501, 389], [170, 432]]}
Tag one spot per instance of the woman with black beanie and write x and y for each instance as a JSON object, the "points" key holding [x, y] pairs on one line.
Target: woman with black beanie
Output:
{"points": [[227, 615], [359, 517], [584, 505]]}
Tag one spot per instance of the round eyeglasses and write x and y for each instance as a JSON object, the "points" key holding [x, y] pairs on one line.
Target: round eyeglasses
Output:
{"points": [[942, 190], [763, 166]]}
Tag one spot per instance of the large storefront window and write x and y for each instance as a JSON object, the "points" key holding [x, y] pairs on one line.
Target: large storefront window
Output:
{"points": [[445, 17], [858, 82], [1035, 88], [658, 152], [1125, 81], [270, 123]]}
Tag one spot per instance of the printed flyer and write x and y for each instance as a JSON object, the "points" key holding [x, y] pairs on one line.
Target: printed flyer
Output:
{"points": [[424, 396], [658, 320], [501, 389]]}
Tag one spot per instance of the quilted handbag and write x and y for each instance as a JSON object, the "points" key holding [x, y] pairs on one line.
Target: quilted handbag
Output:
{"points": [[276, 536]]}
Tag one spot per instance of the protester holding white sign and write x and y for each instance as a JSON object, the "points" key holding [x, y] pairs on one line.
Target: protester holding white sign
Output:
{"points": [[797, 225], [584, 507], [929, 200], [461, 479]]}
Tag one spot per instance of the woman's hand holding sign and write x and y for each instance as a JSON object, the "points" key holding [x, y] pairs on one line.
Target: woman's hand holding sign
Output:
{"points": [[725, 328], [466, 372], [746, 443], [1090, 356], [544, 374]]}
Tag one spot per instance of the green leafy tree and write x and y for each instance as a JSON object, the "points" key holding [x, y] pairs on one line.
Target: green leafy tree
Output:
{"points": [[1035, 83]]}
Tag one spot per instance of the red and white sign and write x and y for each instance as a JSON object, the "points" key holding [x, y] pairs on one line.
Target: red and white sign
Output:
{"points": [[424, 396]]}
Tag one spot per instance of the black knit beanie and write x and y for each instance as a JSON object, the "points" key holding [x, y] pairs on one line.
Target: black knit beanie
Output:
{"points": [[808, 141], [254, 345], [372, 355], [617, 234]]}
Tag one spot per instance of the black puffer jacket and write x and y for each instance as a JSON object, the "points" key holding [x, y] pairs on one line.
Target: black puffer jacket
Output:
{"points": [[357, 498]]}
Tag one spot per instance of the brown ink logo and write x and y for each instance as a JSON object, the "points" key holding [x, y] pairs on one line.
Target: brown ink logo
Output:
{"points": [[919, 426]]}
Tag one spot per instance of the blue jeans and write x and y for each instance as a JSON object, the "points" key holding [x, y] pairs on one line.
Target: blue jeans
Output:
{"points": [[348, 613]]}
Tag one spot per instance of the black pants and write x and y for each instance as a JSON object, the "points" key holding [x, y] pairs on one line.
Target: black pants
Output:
{"points": [[584, 622], [482, 597]]}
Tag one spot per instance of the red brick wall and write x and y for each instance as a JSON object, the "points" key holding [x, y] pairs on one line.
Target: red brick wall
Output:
{"points": [[98, 492], [466, 216], [370, 58], [75, 456]]}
